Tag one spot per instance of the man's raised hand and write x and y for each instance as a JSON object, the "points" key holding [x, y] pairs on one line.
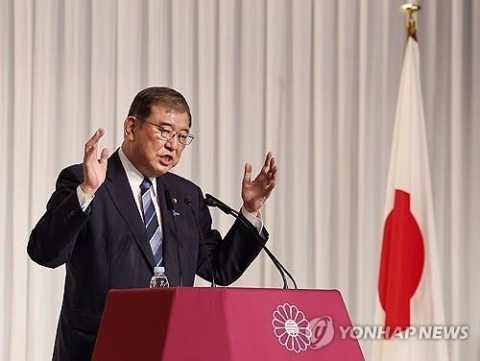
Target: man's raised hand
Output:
{"points": [[94, 169], [256, 192]]}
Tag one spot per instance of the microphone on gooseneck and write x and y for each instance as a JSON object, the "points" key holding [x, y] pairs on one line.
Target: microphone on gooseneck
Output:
{"points": [[214, 202], [171, 203], [188, 201], [211, 201]]}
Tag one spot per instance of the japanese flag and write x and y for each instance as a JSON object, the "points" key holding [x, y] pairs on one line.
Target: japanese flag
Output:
{"points": [[409, 287]]}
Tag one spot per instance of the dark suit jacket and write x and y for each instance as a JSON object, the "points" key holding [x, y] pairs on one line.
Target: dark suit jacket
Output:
{"points": [[107, 247]]}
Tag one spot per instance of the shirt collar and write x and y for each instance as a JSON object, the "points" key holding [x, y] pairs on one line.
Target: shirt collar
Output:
{"points": [[135, 177]]}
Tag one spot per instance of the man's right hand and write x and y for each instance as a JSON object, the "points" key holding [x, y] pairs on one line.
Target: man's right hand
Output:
{"points": [[94, 169]]}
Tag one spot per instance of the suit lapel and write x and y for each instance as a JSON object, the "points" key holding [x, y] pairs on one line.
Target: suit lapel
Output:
{"points": [[170, 252], [121, 194]]}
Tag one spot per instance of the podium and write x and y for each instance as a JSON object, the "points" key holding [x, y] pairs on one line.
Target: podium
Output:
{"points": [[226, 324]]}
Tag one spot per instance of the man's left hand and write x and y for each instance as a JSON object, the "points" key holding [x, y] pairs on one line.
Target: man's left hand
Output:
{"points": [[256, 192]]}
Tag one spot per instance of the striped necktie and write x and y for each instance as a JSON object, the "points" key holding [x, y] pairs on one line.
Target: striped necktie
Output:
{"points": [[154, 234]]}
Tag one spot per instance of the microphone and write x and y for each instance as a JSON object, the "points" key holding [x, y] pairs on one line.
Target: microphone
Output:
{"points": [[188, 201], [211, 201], [214, 202], [171, 203]]}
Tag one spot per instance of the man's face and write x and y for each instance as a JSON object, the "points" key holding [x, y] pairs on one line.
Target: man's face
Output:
{"points": [[148, 152]]}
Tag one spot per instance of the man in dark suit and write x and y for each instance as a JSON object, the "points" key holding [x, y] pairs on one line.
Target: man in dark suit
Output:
{"points": [[112, 220]]}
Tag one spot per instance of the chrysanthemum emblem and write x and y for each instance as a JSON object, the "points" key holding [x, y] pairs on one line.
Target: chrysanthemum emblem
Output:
{"points": [[291, 328]]}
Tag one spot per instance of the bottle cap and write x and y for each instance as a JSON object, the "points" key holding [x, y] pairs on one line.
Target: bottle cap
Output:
{"points": [[159, 270]]}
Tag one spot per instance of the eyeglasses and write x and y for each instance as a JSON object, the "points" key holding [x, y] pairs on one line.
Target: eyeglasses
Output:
{"points": [[184, 137]]}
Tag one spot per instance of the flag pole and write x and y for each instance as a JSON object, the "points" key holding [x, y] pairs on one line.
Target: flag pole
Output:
{"points": [[409, 10]]}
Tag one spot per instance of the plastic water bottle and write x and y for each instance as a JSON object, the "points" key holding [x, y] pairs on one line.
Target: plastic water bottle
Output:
{"points": [[159, 278]]}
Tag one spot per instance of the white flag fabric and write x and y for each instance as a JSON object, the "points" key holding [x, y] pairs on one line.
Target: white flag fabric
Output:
{"points": [[409, 293]]}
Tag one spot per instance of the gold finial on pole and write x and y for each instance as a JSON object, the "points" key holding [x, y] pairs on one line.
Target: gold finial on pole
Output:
{"points": [[409, 10]]}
